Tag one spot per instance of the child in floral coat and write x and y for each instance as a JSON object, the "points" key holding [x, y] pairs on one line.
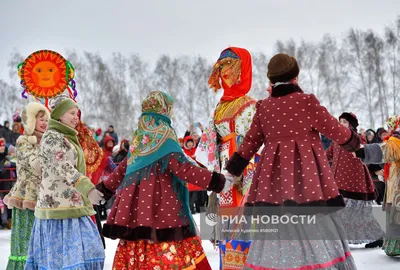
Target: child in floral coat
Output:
{"points": [[63, 235], [23, 196]]}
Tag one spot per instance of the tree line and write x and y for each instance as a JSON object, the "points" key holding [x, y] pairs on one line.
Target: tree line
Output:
{"points": [[358, 72]]}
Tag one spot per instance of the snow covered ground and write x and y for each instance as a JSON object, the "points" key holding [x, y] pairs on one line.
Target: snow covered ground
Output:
{"points": [[366, 259]]}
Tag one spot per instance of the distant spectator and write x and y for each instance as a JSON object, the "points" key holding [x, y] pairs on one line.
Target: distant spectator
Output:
{"points": [[196, 138], [109, 144], [17, 121], [112, 133], [123, 151], [371, 136], [381, 134], [106, 134], [362, 133], [6, 133], [16, 132], [11, 150], [189, 146], [7, 185], [193, 133], [97, 135]]}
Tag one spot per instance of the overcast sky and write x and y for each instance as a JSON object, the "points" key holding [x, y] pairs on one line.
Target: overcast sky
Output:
{"points": [[153, 27]]}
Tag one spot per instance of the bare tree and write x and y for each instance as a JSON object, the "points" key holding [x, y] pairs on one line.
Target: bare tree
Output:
{"points": [[140, 78], [333, 63], [375, 47], [361, 73], [392, 38], [167, 77], [260, 80]]}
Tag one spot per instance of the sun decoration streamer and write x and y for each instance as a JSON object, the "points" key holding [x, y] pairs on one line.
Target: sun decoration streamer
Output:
{"points": [[45, 74]]}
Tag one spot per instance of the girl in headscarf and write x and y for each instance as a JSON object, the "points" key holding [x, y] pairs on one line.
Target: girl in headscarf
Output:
{"points": [[389, 153], [23, 196], [293, 172], [224, 134], [108, 147], [63, 235], [357, 188], [151, 212]]}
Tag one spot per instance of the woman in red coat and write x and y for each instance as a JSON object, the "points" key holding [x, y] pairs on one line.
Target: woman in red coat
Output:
{"points": [[151, 212], [293, 171], [358, 189]]}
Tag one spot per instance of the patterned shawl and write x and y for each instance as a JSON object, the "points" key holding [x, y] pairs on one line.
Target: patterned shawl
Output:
{"points": [[151, 146]]}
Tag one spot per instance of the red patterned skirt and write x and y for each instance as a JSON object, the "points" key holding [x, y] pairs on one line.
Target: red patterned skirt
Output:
{"points": [[187, 254]]}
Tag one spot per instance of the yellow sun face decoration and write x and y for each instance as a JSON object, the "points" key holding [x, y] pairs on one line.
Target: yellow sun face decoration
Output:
{"points": [[45, 74]]}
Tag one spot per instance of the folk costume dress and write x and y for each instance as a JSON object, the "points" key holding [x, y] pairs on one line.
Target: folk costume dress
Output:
{"points": [[356, 186], [293, 171], [224, 134], [23, 195], [151, 212], [389, 153], [63, 235]]}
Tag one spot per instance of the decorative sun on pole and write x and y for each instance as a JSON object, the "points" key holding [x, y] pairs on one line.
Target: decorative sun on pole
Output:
{"points": [[45, 74]]}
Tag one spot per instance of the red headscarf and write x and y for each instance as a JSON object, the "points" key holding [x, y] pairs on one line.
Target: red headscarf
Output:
{"points": [[107, 149], [241, 89]]}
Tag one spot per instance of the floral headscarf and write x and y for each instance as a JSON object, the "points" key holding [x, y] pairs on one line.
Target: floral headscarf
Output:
{"points": [[152, 143], [154, 128], [158, 102]]}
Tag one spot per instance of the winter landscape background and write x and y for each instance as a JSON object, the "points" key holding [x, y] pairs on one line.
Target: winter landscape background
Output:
{"points": [[349, 53]]}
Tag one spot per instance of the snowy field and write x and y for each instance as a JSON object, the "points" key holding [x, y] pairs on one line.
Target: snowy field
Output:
{"points": [[366, 259]]}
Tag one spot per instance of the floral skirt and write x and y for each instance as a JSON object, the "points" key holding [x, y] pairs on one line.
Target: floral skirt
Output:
{"points": [[187, 254], [22, 222], [359, 223], [62, 244]]}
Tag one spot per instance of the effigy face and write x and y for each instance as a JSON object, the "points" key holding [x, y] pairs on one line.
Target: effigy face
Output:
{"points": [[45, 74], [230, 70]]}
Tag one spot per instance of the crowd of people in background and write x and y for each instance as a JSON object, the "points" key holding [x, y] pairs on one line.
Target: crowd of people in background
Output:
{"points": [[107, 140]]}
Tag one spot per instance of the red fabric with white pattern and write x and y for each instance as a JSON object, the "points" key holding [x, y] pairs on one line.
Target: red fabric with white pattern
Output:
{"points": [[153, 203], [349, 172], [293, 165]]}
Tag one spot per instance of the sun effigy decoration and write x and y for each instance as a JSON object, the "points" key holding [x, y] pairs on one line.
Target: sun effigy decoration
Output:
{"points": [[45, 74]]}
